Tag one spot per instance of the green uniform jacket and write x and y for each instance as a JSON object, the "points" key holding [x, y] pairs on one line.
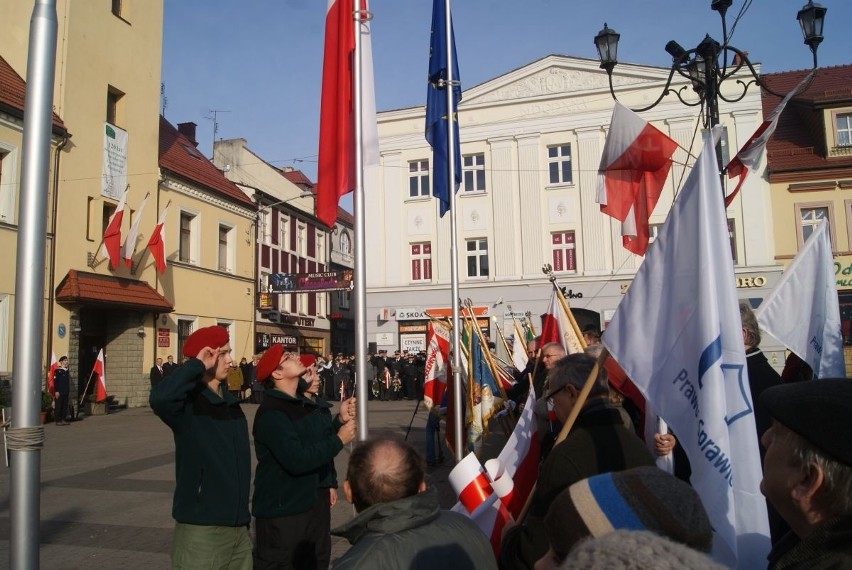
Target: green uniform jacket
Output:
{"points": [[294, 446], [212, 457]]}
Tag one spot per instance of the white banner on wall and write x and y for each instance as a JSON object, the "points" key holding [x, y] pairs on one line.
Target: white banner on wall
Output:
{"points": [[412, 342], [115, 162]]}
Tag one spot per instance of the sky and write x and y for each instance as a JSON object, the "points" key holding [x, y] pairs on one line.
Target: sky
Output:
{"points": [[258, 63]]}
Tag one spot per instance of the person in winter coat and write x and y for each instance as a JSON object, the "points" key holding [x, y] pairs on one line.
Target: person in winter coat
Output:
{"points": [[399, 522], [294, 443]]}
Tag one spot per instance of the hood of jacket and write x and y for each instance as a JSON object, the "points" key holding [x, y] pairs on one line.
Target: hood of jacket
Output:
{"points": [[394, 517]]}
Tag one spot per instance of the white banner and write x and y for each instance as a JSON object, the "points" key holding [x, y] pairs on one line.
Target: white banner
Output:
{"points": [[115, 162]]}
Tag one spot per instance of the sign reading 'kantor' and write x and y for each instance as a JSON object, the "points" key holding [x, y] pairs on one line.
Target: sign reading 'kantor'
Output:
{"points": [[310, 282]]}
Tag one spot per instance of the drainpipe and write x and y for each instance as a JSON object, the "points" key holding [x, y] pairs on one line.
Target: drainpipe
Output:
{"points": [[52, 266]]}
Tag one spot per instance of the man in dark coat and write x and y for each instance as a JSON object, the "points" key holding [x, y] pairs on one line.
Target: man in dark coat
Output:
{"points": [[61, 388], [157, 373], [399, 522], [807, 472], [598, 443], [169, 365]]}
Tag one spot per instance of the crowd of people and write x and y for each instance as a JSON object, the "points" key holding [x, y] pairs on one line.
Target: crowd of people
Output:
{"points": [[599, 502]]}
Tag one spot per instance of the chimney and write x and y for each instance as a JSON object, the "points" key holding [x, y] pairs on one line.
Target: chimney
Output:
{"points": [[188, 130]]}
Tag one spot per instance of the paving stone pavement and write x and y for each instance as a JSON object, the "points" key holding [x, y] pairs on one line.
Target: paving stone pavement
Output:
{"points": [[107, 482]]}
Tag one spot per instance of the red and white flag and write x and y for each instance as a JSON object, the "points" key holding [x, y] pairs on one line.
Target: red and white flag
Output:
{"points": [[129, 247], [51, 372], [556, 327], [100, 388], [636, 160], [496, 493], [112, 235], [336, 166], [437, 357], [752, 151], [157, 243]]}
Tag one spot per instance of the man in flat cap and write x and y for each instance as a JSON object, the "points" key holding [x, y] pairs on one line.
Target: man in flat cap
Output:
{"points": [[807, 472], [212, 457]]}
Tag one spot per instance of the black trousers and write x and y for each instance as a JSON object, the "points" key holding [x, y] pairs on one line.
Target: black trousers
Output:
{"points": [[298, 542], [61, 409]]}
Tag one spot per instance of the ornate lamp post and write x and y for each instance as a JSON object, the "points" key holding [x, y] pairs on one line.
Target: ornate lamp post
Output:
{"points": [[707, 65]]}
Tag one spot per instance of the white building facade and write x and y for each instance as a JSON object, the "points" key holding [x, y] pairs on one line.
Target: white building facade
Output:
{"points": [[531, 142]]}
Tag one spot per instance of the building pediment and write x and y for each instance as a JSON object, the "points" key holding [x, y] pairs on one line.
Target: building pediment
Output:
{"points": [[558, 76]]}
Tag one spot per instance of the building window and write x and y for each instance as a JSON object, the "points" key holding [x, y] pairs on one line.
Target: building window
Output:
{"points": [[8, 186], [418, 178], [343, 299], [185, 247], [843, 129], [809, 219], [226, 248], [473, 168], [184, 329], [421, 261], [564, 252], [113, 105], [301, 242], [107, 213], [345, 243], [559, 164], [732, 236], [477, 258]]}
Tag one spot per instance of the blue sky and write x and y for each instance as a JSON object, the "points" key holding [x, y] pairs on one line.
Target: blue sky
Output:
{"points": [[261, 60]]}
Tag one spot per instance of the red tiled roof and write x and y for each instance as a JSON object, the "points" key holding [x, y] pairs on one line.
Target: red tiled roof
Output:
{"points": [[83, 288], [345, 217], [13, 91], [297, 177], [179, 156], [799, 144]]}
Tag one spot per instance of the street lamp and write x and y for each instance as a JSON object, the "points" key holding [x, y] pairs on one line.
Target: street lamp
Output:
{"points": [[706, 66]]}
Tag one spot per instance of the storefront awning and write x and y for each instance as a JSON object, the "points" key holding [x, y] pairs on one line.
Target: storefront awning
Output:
{"points": [[82, 288]]}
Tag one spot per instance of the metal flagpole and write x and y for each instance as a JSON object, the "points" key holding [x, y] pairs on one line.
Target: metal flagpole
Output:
{"points": [[458, 417], [362, 383], [27, 435]]}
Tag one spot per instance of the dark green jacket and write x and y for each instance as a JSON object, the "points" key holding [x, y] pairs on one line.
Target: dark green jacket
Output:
{"points": [[212, 458], [294, 446], [829, 546]]}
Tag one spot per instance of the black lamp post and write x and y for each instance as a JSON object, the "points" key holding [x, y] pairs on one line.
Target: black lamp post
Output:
{"points": [[707, 66]]}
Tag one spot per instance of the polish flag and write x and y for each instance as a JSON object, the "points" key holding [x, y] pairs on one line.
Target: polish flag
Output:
{"points": [[636, 160], [752, 151], [437, 358], [129, 247], [100, 389], [556, 327], [157, 243], [336, 166], [112, 235], [54, 364]]}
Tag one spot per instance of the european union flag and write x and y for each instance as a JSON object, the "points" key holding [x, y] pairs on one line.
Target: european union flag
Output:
{"points": [[436, 107]]}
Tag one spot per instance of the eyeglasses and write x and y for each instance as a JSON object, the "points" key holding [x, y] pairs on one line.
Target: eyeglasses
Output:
{"points": [[555, 392]]}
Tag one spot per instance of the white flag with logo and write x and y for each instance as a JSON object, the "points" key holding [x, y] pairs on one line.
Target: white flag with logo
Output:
{"points": [[803, 311], [677, 335]]}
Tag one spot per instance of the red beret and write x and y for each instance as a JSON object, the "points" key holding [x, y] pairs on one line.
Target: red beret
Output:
{"points": [[214, 337], [307, 359], [269, 362]]}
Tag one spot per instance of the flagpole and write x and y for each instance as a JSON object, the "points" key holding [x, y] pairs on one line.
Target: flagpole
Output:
{"points": [[361, 384], [26, 436], [454, 254]]}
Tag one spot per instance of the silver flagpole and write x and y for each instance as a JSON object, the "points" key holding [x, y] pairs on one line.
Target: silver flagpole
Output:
{"points": [[27, 433], [458, 417], [362, 383]]}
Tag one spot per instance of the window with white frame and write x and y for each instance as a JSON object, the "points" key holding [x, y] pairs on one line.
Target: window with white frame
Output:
{"points": [[343, 299], [186, 245], [8, 184], [559, 164], [5, 302], [843, 129], [301, 241], [302, 303], [418, 178], [810, 217], [477, 257], [421, 261], [320, 247], [226, 248], [564, 251], [266, 225], [473, 170], [284, 232]]}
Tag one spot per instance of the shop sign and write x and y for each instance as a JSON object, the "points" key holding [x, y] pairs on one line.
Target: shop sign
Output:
{"points": [[408, 314], [311, 282], [412, 342], [265, 340], [384, 339], [412, 328], [843, 273], [163, 338]]}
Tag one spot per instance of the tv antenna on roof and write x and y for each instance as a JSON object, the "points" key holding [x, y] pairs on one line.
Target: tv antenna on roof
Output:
{"points": [[214, 116]]}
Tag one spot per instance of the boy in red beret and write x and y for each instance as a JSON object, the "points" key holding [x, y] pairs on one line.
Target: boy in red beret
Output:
{"points": [[212, 457]]}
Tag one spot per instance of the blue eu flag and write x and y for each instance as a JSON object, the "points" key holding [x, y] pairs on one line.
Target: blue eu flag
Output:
{"points": [[436, 107]]}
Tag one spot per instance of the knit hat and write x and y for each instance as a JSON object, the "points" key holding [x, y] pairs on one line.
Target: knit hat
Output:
{"points": [[636, 550], [269, 362], [214, 337], [818, 411], [643, 498]]}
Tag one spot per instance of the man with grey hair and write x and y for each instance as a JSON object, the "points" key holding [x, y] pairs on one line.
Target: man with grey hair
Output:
{"points": [[807, 472], [598, 443]]}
